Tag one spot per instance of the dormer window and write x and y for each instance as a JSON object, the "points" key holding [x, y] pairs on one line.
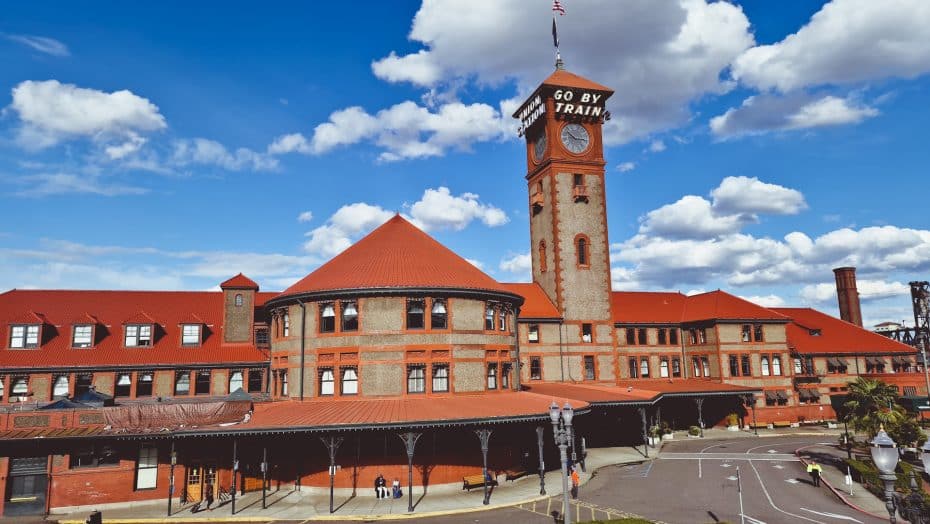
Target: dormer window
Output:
{"points": [[82, 336], [24, 336], [138, 335], [190, 334]]}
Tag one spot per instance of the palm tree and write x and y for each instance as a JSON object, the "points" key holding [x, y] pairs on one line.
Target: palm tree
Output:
{"points": [[871, 403]]}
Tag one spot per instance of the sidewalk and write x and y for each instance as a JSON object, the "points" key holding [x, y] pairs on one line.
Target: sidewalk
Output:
{"points": [[287, 504], [832, 459]]}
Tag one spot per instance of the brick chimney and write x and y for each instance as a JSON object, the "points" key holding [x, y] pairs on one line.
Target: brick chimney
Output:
{"points": [[848, 295]]}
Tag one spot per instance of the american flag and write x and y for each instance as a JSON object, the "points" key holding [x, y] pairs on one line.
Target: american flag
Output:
{"points": [[557, 7]]}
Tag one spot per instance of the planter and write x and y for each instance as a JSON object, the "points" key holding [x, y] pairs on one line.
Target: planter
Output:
{"points": [[653, 441], [732, 428], [668, 436], [831, 425]]}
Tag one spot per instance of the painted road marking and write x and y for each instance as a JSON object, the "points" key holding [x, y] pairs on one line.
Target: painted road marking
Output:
{"points": [[772, 503], [732, 477], [752, 520], [792, 481], [781, 457], [833, 515], [778, 466]]}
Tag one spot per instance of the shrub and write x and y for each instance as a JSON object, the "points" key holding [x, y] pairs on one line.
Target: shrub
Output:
{"points": [[694, 431], [732, 419]]}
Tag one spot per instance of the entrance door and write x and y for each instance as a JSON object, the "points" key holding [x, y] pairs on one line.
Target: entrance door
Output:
{"points": [[26, 486], [194, 484], [209, 478]]}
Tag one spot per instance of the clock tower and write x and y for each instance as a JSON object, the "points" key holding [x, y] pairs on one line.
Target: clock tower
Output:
{"points": [[562, 123]]}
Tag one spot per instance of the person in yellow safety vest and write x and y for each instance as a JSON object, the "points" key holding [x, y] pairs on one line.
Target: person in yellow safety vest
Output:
{"points": [[814, 470]]}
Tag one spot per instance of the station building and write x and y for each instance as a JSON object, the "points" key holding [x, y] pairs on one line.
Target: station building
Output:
{"points": [[399, 357]]}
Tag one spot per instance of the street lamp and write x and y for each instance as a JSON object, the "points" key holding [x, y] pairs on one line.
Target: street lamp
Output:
{"points": [[885, 455], [925, 456], [561, 433]]}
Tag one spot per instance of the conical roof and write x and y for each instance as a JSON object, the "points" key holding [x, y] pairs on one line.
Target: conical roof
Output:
{"points": [[563, 78], [239, 281], [396, 255]]}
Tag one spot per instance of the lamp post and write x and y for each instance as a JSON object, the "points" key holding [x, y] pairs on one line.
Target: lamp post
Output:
{"points": [[561, 433], [542, 464], [925, 456], [846, 438], [885, 455]]}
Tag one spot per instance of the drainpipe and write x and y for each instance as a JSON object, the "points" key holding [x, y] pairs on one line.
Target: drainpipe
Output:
{"points": [[516, 345], [303, 342], [685, 365], [561, 357]]}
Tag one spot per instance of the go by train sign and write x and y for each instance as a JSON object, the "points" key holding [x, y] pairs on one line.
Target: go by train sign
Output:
{"points": [[568, 104]]}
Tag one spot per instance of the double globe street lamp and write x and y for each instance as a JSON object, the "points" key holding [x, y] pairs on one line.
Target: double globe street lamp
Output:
{"points": [[562, 434], [885, 455]]}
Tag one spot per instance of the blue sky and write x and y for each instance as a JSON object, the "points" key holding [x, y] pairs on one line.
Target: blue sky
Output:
{"points": [[753, 148]]}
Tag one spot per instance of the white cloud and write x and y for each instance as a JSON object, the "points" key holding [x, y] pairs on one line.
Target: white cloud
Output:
{"points": [[766, 113], [657, 146], [625, 167], [49, 184], [210, 152], [847, 41], [306, 216], [766, 300], [133, 143], [51, 112], [419, 68], [519, 265], [292, 143], [43, 44], [439, 209], [475, 262], [740, 194], [344, 227], [869, 290], [691, 217]]}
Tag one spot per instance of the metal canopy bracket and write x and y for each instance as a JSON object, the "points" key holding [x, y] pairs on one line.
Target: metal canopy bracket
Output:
{"points": [[332, 444], [484, 436], [410, 439]]}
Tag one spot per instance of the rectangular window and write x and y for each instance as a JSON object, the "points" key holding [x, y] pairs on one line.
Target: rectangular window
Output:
{"points": [[589, 371], [506, 369], [492, 375], [327, 382], [587, 333], [489, 318], [676, 367], [630, 336], [261, 337], [94, 455], [798, 369], [705, 363], [138, 335], [440, 378], [123, 385], [634, 367], [348, 383], [349, 311], [60, 387], [439, 315], [641, 336], [578, 180], [746, 366], [535, 368], [287, 324], [24, 336], [702, 336], [757, 333], [673, 336], [662, 337], [502, 320], [416, 314], [190, 334], [692, 336], [82, 383], [147, 468], [910, 391], [327, 317], [82, 336], [144, 384], [182, 383], [236, 381], [746, 335], [416, 378], [696, 367], [202, 382], [734, 366], [256, 381], [644, 367], [663, 368], [533, 334]]}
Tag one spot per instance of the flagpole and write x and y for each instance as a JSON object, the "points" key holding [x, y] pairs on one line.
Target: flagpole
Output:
{"points": [[557, 8]]}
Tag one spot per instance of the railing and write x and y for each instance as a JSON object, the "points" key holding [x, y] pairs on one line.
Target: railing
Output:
{"points": [[536, 199], [807, 378], [580, 192]]}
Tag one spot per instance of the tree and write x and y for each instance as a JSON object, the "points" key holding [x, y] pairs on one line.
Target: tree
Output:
{"points": [[906, 432], [871, 404]]}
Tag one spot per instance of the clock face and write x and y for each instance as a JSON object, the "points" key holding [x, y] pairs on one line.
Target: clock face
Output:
{"points": [[539, 147], [575, 138]]}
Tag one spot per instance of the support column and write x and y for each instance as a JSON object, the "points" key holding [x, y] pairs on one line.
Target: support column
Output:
{"points": [[410, 439], [484, 435], [542, 464], [699, 402], [235, 471], [332, 444], [173, 457], [642, 416], [264, 475]]}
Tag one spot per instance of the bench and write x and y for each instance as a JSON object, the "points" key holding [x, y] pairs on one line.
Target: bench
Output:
{"points": [[781, 424], [476, 481], [759, 425], [514, 474]]}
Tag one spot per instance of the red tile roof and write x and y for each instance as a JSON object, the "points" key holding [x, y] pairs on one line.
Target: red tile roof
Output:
{"points": [[835, 335], [636, 391], [563, 78], [631, 307], [111, 309], [396, 255], [536, 303], [239, 281]]}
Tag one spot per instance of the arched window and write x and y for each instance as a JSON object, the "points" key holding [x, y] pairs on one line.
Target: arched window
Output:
{"points": [[765, 366], [582, 248], [542, 256], [238, 299], [776, 365]]}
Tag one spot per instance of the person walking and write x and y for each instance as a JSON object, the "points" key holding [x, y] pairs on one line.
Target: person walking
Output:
{"points": [[209, 495], [576, 480], [815, 471]]}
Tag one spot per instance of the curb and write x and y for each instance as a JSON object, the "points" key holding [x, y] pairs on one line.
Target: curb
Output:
{"points": [[835, 491]]}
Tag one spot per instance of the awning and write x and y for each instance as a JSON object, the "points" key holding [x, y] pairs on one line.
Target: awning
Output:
{"points": [[875, 361], [808, 394], [904, 361], [782, 395], [770, 395], [838, 362]]}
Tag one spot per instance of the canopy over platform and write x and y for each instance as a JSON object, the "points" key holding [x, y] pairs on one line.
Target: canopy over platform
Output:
{"points": [[639, 392]]}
